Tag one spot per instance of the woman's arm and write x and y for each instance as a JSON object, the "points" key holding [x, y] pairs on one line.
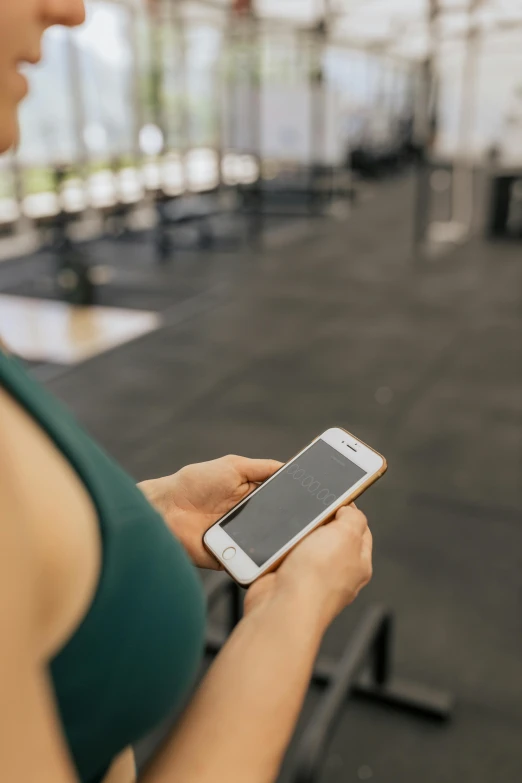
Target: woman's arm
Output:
{"points": [[239, 724], [32, 747]]}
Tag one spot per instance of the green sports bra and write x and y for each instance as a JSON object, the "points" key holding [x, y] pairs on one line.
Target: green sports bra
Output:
{"points": [[137, 650]]}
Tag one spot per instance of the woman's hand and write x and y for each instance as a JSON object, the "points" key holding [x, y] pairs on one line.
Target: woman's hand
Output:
{"points": [[325, 572], [195, 497]]}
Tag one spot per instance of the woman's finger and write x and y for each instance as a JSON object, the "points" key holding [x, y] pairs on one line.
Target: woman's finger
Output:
{"points": [[352, 517], [366, 554], [256, 470], [367, 544]]}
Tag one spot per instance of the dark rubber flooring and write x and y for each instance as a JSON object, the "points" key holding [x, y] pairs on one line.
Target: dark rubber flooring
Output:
{"points": [[423, 360], [137, 279]]}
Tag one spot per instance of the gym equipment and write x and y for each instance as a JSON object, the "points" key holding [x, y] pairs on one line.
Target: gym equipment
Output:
{"points": [[504, 208], [382, 141], [72, 278], [191, 197]]}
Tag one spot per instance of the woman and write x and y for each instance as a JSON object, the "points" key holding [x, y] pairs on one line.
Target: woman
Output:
{"points": [[101, 610]]}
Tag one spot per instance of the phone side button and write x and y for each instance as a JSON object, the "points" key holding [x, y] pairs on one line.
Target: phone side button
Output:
{"points": [[229, 553]]}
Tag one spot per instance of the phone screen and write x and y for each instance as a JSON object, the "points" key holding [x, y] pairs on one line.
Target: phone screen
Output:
{"points": [[304, 489]]}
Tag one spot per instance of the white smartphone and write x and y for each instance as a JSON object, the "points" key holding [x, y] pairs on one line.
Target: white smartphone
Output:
{"points": [[254, 537]]}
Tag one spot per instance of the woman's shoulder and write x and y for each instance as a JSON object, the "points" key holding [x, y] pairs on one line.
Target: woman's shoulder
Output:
{"points": [[57, 519]]}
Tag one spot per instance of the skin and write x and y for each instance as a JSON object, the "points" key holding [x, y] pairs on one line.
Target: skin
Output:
{"points": [[245, 711]]}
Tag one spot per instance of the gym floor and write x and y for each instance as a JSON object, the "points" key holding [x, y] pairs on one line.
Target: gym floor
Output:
{"points": [[338, 323]]}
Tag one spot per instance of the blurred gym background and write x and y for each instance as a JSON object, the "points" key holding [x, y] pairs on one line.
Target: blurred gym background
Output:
{"points": [[231, 224]]}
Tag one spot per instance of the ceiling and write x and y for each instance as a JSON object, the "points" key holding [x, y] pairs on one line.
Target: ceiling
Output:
{"points": [[398, 26], [406, 28]]}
